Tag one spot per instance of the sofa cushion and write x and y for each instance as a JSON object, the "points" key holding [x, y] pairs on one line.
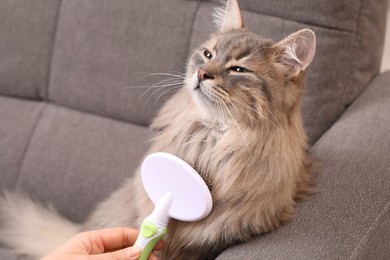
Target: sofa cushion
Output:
{"points": [[74, 160], [18, 121], [105, 49], [27, 34]]}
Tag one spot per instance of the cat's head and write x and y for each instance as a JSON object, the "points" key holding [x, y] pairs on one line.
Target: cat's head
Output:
{"points": [[236, 75]]}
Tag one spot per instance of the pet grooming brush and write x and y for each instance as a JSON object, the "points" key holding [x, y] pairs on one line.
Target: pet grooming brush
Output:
{"points": [[176, 190]]}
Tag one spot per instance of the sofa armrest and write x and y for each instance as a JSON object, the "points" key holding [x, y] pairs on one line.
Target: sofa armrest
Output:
{"points": [[349, 217]]}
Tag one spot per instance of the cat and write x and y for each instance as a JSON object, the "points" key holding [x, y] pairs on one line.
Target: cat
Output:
{"points": [[237, 121]]}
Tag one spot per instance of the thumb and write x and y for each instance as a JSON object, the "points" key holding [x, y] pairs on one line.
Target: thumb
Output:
{"points": [[130, 253]]}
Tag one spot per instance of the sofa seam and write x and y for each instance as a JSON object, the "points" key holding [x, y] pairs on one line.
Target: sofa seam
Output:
{"points": [[355, 45], [54, 43], [372, 226], [30, 138]]}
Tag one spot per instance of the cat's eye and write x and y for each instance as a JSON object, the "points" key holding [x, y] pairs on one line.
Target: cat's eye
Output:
{"points": [[208, 54], [239, 69]]}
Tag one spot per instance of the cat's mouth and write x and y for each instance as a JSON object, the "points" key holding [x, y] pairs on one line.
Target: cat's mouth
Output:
{"points": [[202, 92]]}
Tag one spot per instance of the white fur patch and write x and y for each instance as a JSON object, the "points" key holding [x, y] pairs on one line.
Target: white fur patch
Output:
{"points": [[291, 54], [228, 16], [219, 15], [29, 228], [299, 49]]}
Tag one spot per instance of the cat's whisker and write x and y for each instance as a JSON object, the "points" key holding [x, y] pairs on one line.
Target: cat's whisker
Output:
{"points": [[277, 121], [254, 110], [172, 78], [151, 74], [223, 115], [170, 89], [236, 122], [158, 88], [159, 84], [261, 115], [238, 127], [168, 81], [154, 92]]}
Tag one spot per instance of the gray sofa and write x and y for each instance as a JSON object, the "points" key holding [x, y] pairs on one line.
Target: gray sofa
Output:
{"points": [[72, 127]]}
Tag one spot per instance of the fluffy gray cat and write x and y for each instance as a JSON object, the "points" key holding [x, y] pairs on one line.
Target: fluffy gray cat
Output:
{"points": [[237, 120]]}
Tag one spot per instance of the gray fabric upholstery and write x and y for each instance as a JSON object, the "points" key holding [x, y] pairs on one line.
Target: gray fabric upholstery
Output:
{"points": [[105, 149], [18, 120], [96, 65], [27, 32], [73, 114], [104, 49]]}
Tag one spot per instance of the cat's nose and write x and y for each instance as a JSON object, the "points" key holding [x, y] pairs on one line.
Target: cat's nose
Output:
{"points": [[204, 74]]}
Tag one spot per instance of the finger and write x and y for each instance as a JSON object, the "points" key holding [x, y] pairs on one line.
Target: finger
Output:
{"points": [[100, 241], [131, 253], [116, 238]]}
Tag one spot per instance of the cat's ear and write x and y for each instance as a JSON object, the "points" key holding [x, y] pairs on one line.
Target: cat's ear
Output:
{"points": [[297, 51], [228, 17]]}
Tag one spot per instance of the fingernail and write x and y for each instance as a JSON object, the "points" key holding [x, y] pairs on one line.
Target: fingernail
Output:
{"points": [[133, 251]]}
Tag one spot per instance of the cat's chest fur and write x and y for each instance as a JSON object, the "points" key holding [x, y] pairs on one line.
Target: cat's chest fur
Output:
{"points": [[203, 143], [197, 143], [227, 156]]}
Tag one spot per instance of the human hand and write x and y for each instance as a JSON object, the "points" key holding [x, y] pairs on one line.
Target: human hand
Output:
{"points": [[110, 244]]}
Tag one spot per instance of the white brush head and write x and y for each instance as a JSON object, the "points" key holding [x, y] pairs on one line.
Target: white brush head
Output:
{"points": [[163, 173]]}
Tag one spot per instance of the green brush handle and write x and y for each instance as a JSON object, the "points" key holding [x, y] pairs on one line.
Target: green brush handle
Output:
{"points": [[149, 236]]}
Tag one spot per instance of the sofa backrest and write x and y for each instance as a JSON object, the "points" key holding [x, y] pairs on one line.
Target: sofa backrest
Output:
{"points": [[90, 55]]}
